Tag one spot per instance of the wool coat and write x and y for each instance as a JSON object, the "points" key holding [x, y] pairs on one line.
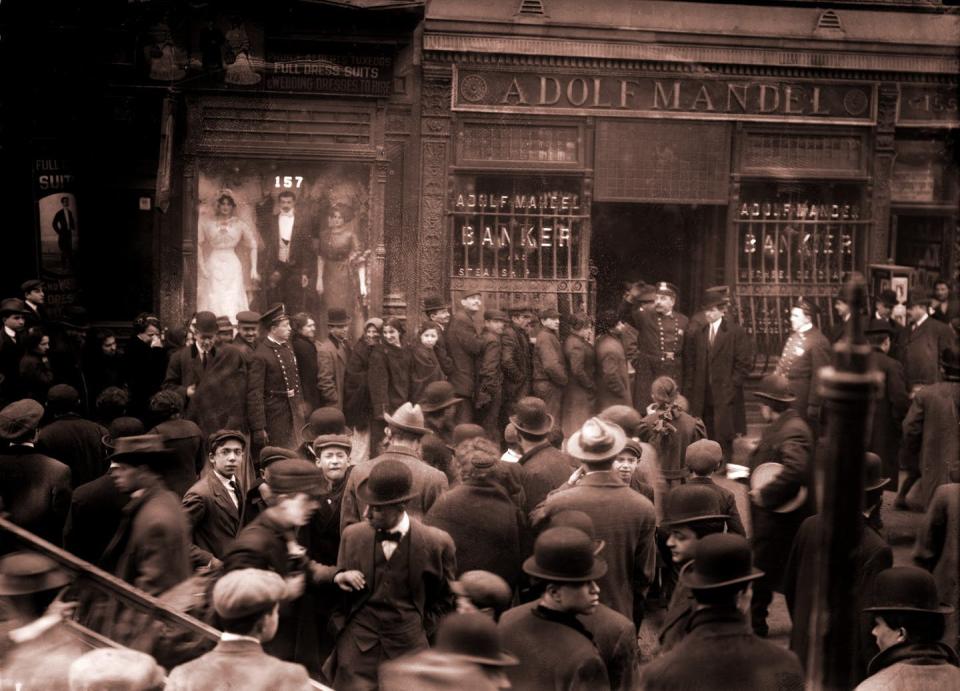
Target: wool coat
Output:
{"points": [[186, 441], [35, 490], [305, 350], [78, 443], [728, 503], [913, 666], [238, 664], [489, 392], [714, 374], [486, 526], [613, 378], [920, 349], [11, 352], [889, 408], [625, 520], [872, 555], [277, 403], [464, 345], [580, 395], [937, 549], [931, 430], [544, 468], [671, 445], [428, 484], [356, 389], [96, 510], [516, 360], [549, 374], [389, 378], [803, 356], [443, 352], [424, 369], [214, 519], [332, 358], [721, 653], [556, 651]]}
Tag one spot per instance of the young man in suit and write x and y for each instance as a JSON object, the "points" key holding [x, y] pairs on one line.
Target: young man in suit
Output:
{"points": [[406, 569], [33, 300], [465, 345], [287, 260], [921, 344], [214, 504]]}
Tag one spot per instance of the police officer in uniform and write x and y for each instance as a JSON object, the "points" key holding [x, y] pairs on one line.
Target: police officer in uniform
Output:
{"points": [[804, 353], [659, 342], [277, 411]]}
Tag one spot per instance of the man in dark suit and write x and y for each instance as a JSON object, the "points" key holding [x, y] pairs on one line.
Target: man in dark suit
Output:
{"points": [[464, 345], [214, 504], [921, 344], [719, 650], [883, 311], [34, 489], [544, 466], [12, 313], [804, 353], [332, 356], [718, 359], [405, 568], [33, 300], [287, 261], [613, 376], [891, 402], [70, 437], [549, 376], [778, 508], [489, 393], [438, 311], [278, 410], [516, 357], [65, 225]]}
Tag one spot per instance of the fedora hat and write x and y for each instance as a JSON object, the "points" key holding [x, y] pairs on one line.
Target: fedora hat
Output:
{"points": [[564, 555], [437, 396], [687, 504], [465, 431], [293, 476], [142, 449], [626, 417], [531, 417], [873, 472], [408, 417], [434, 303], [389, 482], [23, 573], [918, 298], [906, 589], [473, 637], [337, 316], [324, 441], [721, 559], [124, 426], [877, 327], [764, 474], [888, 298], [775, 387], [713, 299], [12, 306], [325, 420], [597, 441]]}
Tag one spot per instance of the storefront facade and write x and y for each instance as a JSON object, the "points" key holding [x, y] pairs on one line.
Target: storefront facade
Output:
{"points": [[560, 158]]}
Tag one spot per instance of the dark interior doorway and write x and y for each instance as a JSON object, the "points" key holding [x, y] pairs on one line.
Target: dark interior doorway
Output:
{"points": [[656, 242]]}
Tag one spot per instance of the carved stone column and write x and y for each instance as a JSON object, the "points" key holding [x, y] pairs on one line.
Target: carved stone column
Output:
{"points": [[878, 248], [378, 183]]}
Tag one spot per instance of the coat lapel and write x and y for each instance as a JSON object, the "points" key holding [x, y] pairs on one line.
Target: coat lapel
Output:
{"points": [[417, 557], [221, 496]]}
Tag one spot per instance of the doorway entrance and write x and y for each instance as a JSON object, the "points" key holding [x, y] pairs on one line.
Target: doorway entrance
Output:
{"points": [[678, 243]]}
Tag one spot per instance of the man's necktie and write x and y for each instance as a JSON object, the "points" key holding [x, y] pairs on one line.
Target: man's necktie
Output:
{"points": [[389, 535], [236, 492]]}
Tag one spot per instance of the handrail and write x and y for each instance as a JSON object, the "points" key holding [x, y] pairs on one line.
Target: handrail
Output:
{"points": [[117, 587]]}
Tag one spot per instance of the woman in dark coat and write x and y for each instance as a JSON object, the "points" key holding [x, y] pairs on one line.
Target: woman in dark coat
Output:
{"points": [[304, 330], [390, 366], [36, 375], [579, 398], [426, 366], [356, 392], [145, 364]]}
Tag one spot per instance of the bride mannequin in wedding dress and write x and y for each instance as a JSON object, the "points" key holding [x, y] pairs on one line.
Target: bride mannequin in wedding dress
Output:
{"points": [[221, 288]]}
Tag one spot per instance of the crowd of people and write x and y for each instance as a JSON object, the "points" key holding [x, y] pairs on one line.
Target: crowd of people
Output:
{"points": [[496, 500]]}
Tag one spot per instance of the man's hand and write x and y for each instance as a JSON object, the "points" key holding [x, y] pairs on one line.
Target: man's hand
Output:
{"points": [[295, 586], [350, 580], [192, 389], [260, 437], [304, 280]]}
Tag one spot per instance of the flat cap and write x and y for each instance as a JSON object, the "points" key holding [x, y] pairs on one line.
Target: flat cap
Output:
{"points": [[295, 475], [248, 317], [495, 315], [244, 592], [222, 435], [341, 441], [549, 313], [703, 455], [19, 418], [32, 284], [272, 454], [115, 669]]}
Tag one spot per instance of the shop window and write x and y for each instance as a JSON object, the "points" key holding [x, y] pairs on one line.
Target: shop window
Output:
{"points": [[794, 239]]}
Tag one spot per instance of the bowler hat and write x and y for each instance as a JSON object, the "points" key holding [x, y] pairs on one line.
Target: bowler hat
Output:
{"points": [[571, 518], [116, 669], [721, 559], [530, 416], [32, 284], [873, 472], [337, 316], [295, 475], [548, 313], [711, 300], [665, 288], [703, 455], [764, 474], [248, 317], [437, 396], [20, 417], [124, 426], [918, 298], [206, 323], [888, 298], [687, 504], [483, 589], [808, 306], [22, 573], [564, 555], [389, 482], [877, 327], [496, 316], [271, 454], [775, 387], [950, 362], [596, 441], [143, 449], [626, 417], [325, 420], [408, 417], [465, 431], [341, 441], [274, 315], [245, 592], [434, 303], [63, 395], [12, 306], [473, 637], [906, 589]]}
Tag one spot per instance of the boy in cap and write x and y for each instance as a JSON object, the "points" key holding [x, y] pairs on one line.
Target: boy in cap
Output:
{"points": [[405, 568], [549, 376], [248, 328], [247, 606], [33, 300], [554, 648], [489, 392], [116, 669], [516, 358], [719, 651], [464, 345], [483, 592], [12, 313], [704, 458]]}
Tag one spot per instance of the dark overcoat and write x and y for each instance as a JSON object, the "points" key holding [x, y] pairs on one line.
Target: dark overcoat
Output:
{"points": [[728, 503], [78, 442], [889, 408], [95, 513], [389, 378], [185, 439], [424, 369], [931, 429], [626, 521], [277, 404], [920, 349], [516, 357], [35, 491], [717, 370], [613, 378], [332, 358], [549, 375], [544, 468], [214, 519], [937, 549], [356, 390], [579, 397], [305, 351], [488, 396], [722, 654], [464, 345], [144, 369]]}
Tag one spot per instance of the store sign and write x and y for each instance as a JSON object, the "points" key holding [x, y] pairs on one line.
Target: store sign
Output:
{"points": [[664, 96], [58, 221], [306, 67], [925, 106]]}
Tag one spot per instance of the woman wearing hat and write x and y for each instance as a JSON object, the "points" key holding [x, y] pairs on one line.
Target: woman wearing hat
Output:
{"points": [[391, 363], [908, 627]]}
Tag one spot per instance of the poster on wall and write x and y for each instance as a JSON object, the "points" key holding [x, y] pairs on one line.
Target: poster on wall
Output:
{"points": [[58, 222], [290, 232]]}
